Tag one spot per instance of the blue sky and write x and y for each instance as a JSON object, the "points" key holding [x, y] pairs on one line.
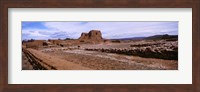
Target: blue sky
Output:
{"points": [[110, 30]]}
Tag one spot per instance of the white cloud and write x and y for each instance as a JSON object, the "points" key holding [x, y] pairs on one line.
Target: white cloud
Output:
{"points": [[108, 29]]}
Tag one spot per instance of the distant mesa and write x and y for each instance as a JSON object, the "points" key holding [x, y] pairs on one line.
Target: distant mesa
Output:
{"points": [[93, 36], [160, 37]]}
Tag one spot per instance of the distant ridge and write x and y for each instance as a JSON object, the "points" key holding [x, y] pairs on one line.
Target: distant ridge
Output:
{"points": [[159, 37], [154, 37], [131, 38]]}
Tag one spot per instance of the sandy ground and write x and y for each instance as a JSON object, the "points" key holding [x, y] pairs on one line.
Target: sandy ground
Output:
{"points": [[73, 58], [107, 61], [56, 62]]}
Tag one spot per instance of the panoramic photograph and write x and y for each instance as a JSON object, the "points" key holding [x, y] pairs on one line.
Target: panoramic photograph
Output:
{"points": [[96, 45]]}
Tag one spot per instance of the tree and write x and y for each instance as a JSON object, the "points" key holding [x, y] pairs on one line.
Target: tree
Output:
{"points": [[67, 38]]}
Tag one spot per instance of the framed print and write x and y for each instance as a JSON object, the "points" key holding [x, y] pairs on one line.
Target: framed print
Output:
{"points": [[123, 45], [92, 47]]}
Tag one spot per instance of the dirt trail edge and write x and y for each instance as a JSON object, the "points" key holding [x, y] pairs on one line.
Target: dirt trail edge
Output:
{"points": [[42, 61]]}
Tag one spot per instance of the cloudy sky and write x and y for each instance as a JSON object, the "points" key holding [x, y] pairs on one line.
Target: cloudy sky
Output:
{"points": [[109, 30]]}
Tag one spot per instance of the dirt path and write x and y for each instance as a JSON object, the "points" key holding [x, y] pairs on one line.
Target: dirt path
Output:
{"points": [[107, 61], [55, 62]]}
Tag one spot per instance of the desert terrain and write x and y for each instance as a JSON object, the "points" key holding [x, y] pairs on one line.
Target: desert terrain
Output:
{"points": [[92, 52]]}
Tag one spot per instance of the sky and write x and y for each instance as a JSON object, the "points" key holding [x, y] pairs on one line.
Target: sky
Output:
{"points": [[109, 30]]}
